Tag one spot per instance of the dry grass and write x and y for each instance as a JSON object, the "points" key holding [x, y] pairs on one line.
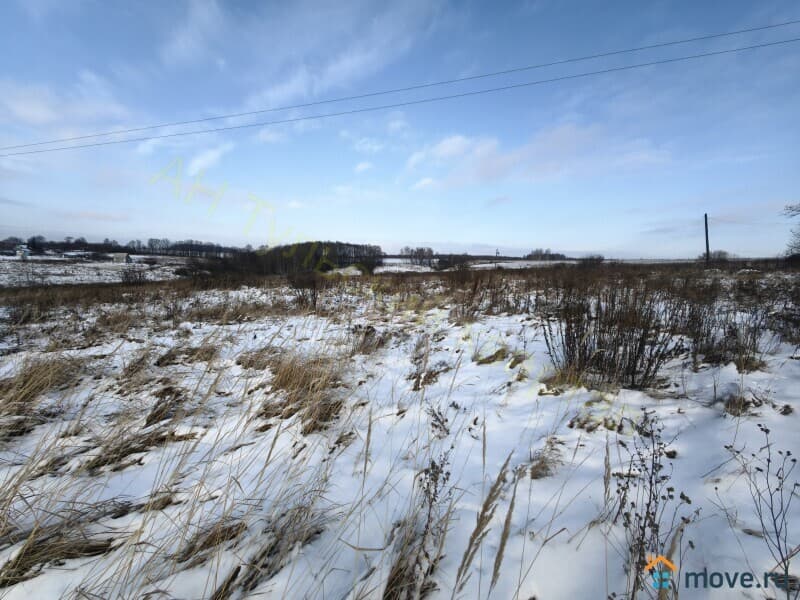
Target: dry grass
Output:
{"points": [[289, 531], [116, 321], [496, 356], [226, 313], [305, 388], [185, 354], [737, 405], [544, 461], [170, 400], [308, 385], [482, 526], [220, 532], [258, 360], [366, 340], [53, 549], [138, 364], [19, 393], [122, 445], [74, 534]]}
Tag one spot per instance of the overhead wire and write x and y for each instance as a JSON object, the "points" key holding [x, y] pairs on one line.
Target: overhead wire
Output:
{"points": [[399, 104]]}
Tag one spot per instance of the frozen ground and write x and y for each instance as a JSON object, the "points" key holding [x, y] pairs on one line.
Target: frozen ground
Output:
{"points": [[161, 458], [58, 271]]}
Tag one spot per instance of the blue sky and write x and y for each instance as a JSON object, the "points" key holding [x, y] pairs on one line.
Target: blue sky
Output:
{"points": [[624, 164]]}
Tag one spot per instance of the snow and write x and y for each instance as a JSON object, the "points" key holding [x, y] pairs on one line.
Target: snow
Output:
{"points": [[48, 270], [402, 267], [360, 477], [520, 264]]}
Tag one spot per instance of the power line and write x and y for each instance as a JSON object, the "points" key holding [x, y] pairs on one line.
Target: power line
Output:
{"points": [[409, 102], [407, 88]]}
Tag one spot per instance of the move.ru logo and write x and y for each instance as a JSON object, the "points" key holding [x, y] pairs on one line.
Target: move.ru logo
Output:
{"points": [[661, 570]]}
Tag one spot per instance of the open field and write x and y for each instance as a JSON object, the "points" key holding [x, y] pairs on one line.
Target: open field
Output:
{"points": [[472, 434], [62, 271]]}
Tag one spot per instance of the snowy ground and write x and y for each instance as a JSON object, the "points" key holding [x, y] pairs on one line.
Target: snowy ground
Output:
{"points": [[160, 443], [520, 264], [57, 271]]}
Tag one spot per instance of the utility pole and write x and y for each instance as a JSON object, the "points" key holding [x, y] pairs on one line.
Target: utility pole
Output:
{"points": [[708, 253]]}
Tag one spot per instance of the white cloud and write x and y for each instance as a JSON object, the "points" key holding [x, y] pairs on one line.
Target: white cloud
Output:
{"points": [[148, 146], [297, 85], [295, 204], [31, 104], [193, 37], [455, 145], [207, 159], [363, 166], [89, 100], [555, 152], [368, 145], [416, 158], [270, 135], [327, 56], [452, 147], [424, 183], [363, 144], [397, 124]]}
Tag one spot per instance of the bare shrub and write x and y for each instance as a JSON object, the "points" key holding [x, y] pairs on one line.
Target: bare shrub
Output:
{"points": [[616, 334], [132, 276], [307, 288], [645, 504], [773, 487], [468, 302]]}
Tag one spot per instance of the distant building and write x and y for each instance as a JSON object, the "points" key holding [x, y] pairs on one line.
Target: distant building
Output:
{"points": [[120, 257], [22, 251]]}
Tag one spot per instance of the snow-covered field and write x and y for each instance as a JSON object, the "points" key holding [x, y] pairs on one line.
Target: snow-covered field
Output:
{"points": [[232, 444], [520, 264], [58, 271]]}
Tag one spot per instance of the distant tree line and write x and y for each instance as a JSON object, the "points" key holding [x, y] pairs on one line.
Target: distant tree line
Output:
{"points": [[303, 257], [418, 256], [280, 260], [186, 248], [717, 256], [452, 261], [544, 254]]}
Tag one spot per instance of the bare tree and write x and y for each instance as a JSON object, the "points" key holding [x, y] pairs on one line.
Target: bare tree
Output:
{"points": [[793, 210]]}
